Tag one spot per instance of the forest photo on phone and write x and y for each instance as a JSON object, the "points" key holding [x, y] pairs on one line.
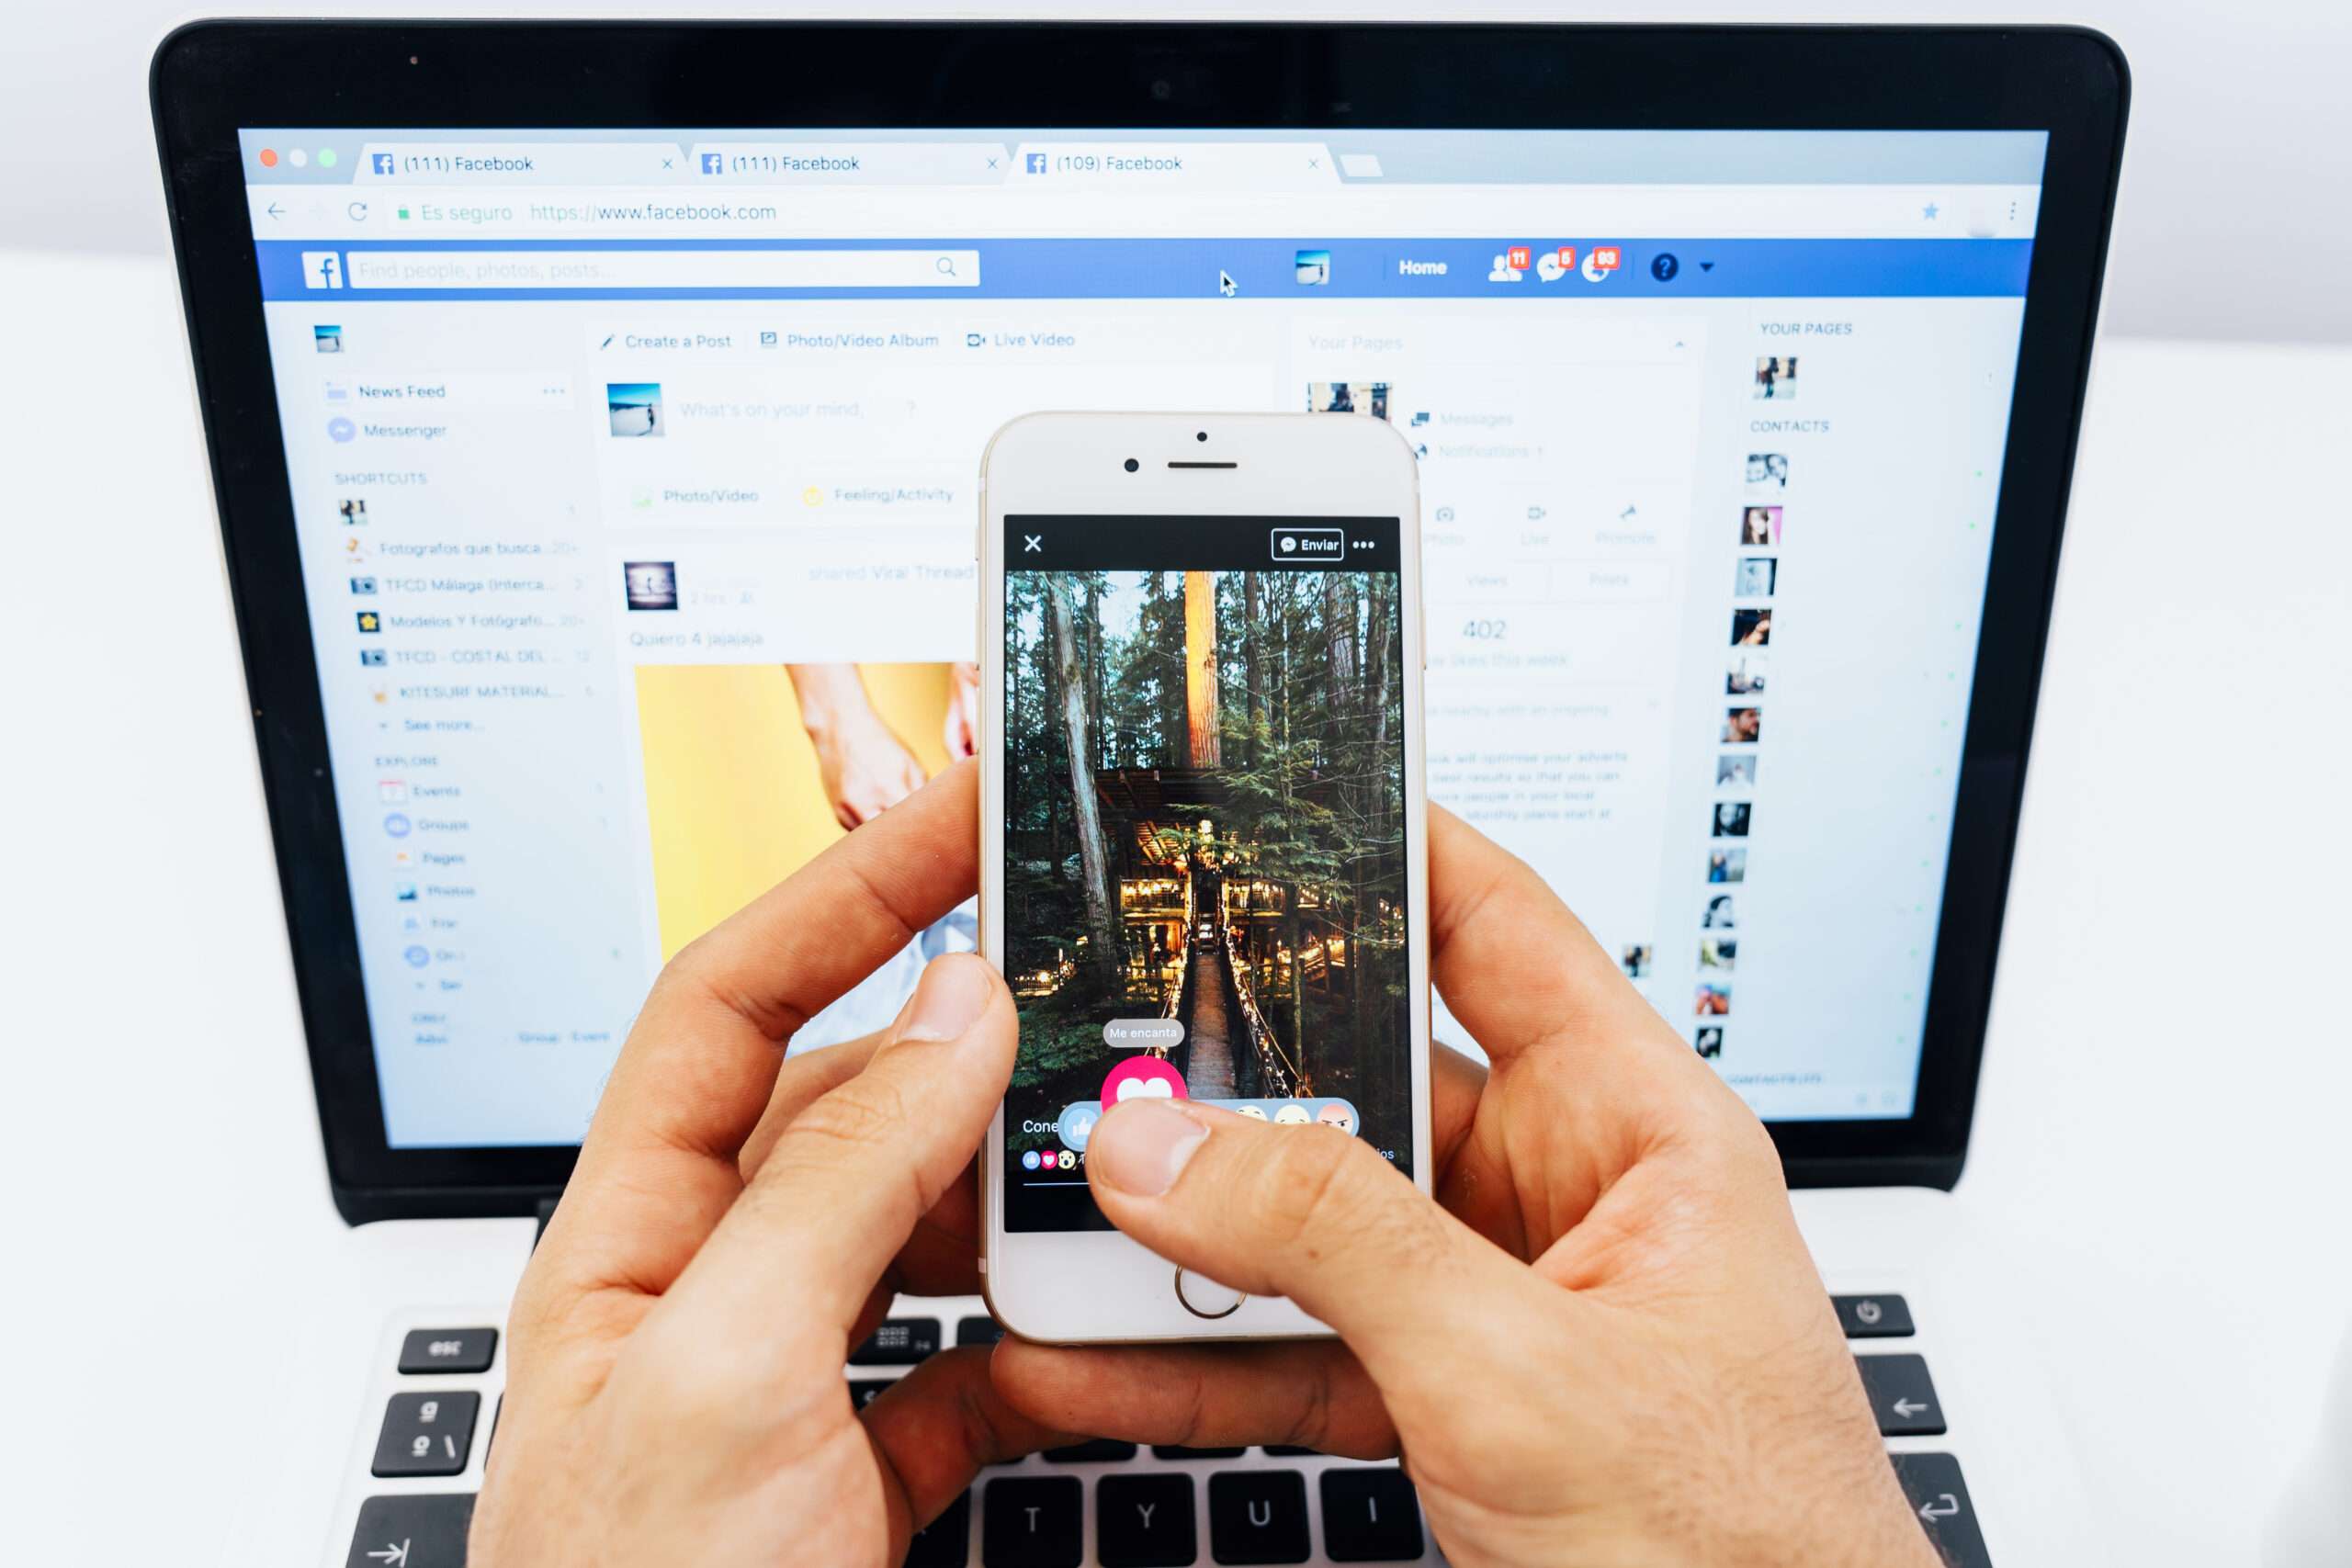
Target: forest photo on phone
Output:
{"points": [[1204, 815]]}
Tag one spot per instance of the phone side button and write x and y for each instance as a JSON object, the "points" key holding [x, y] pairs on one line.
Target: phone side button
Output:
{"points": [[1206, 1298]]}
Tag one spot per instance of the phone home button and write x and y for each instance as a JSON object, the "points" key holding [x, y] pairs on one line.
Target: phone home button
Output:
{"points": [[1206, 1298]]}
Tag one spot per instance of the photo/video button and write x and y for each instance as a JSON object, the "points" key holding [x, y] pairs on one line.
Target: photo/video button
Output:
{"points": [[1294, 545]]}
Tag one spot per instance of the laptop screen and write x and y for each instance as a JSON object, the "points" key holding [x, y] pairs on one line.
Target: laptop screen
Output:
{"points": [[635, 475]]}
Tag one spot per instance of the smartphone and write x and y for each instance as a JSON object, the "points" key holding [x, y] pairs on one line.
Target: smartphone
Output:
{"points": [[1203, 864]]}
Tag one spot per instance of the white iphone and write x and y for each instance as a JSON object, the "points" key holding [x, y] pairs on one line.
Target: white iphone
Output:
{"points": [[1202, 861]]}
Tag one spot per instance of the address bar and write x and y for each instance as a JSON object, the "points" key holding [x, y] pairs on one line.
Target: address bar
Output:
{"points": [[665, 269]]}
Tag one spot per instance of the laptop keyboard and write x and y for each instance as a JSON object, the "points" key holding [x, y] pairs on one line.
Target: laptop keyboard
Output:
{"points": [[1092, 1505]]}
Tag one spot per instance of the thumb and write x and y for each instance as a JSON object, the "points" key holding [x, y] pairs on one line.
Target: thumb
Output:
{"points": [[1308, 1212], [854, 1172]]}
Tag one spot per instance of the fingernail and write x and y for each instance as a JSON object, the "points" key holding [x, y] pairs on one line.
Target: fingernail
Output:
{"points": [[948, 999], [1141, 1146]]}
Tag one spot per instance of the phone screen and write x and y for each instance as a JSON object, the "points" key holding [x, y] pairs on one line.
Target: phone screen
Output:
{"points": [[1204, 854]]}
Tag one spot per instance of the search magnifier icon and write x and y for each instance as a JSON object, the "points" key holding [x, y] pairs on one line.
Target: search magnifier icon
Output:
{"points": [[944, 266]]}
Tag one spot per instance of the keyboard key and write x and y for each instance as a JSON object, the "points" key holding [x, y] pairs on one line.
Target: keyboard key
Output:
{"points": [[1370, 1516], [1940, 1499], [1258, 1516], [1032, 1523], [418, 1530], [946, 1541], [898, 1342], [1171, 1451], [1288, 1449], [427, 1434], [864, 1391], [1094, 1450], [1144, 1521], [495, 1412], [1903, 1395], [977, 1331], [447, 1351], [1874, 1318]]}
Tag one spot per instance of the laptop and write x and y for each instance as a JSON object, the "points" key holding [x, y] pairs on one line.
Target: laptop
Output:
{"points": [[596, 414]]}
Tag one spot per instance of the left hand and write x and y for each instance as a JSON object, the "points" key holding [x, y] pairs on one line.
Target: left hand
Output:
{"points": [[738, 1222]]}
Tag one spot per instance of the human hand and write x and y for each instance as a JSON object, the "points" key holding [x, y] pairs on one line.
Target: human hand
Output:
{"points": [[865, 768], [1609, 1346], [675, 1391]]}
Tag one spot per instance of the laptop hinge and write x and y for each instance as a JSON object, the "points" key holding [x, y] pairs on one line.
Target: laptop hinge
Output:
{"points": [[546, 1212]]}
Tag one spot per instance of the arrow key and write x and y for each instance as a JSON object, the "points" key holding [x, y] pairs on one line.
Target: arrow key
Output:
{"points": [[1939, 1497], [417, 1529], [1903, 1395]]}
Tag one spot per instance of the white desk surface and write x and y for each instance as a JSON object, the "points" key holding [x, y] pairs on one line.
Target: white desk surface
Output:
{"points": [[2164, 1103]]}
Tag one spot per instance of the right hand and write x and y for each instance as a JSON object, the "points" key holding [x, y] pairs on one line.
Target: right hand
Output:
{"points": [[1609, 1346]]}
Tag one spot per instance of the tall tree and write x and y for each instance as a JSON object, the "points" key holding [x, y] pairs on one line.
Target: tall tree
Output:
{"points": [[1375, 1042], [1094, 861], [1205, 746], [1253, 668], [1097, 661]]}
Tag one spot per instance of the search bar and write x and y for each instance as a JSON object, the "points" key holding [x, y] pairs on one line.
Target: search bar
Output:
{"points": [[665, 269]]}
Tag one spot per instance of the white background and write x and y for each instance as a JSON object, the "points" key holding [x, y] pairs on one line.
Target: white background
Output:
{"points": [[2163, 1112], [2233, 222]]}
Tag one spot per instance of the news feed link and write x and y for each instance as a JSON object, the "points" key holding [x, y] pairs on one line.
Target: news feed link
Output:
{"points": [[641, 571]]}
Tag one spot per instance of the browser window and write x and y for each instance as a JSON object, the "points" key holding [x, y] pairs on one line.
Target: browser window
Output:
{"points": [[635, 475]]}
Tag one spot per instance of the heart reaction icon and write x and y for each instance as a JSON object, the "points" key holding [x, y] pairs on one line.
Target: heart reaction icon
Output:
{"points": [[1149, 1075]]}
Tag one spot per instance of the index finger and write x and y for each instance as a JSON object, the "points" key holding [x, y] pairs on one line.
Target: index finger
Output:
{"points": [[659, 1166]]}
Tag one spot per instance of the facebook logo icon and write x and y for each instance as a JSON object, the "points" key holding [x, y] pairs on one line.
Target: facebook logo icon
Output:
{"points": [[710, 162], [1037, 163], [383, 162], [321, 269]]}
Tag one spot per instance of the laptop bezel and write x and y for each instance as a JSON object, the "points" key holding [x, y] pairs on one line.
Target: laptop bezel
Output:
{"points": [[211, 78]]}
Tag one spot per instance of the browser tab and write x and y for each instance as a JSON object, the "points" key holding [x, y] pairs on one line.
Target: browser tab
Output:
{"points": [[1225, 166], [518, 163], [850, 163]]}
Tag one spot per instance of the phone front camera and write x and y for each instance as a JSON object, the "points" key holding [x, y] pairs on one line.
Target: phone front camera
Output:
{"points": [[1200, 435], [1133, 465]]}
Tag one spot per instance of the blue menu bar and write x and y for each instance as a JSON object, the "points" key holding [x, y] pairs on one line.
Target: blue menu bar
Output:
{"points": [[1259, 269]]}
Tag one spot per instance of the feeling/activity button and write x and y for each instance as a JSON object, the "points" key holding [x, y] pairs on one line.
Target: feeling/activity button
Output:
{"points": [[1206, 1298]]}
